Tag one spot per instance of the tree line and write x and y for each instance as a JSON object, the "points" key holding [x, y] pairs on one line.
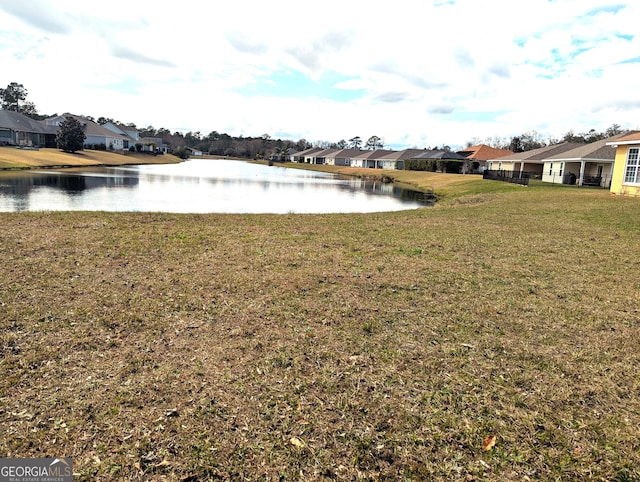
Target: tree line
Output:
{"points": [[14, 98], [534, 140]]}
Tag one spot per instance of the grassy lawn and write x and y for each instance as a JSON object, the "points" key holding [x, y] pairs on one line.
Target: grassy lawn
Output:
{"points": [[329, 347]]}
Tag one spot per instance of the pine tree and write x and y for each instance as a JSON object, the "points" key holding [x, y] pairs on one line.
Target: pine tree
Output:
{"points": [[70, 137]]}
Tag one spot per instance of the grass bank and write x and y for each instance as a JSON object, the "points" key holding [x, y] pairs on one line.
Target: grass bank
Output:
{"points": [[327, 347], [448, 186], [12, 158]]}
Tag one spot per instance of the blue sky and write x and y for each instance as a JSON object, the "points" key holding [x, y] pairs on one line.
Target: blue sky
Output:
{"points": [[417, 73]]}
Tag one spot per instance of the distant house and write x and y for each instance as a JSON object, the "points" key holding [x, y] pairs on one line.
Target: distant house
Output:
{"points": [[626, 171], [371, 159], [480, 154], [131, 133], [97, 135], [588, 165], [302, 155], [531, 162], [321, 157], [342, 157], [133, 139], [441, 155], [17, 129], [395, 159]]}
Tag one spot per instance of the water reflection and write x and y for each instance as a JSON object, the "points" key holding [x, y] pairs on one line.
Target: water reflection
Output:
{"points": [[201, 186]]}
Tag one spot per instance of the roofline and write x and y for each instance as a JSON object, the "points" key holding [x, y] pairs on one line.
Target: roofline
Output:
{"points": [[623, 143], [588, 159]]}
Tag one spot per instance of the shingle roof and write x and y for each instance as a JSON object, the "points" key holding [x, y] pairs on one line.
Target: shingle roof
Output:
{"points": [[628, 138], [540, 153], [372, 154], [346, 153], [482, 152], [21, 123], [89, 127], [325, 152], [308, 151], [400, 155], [438, 154], [598, 150]]}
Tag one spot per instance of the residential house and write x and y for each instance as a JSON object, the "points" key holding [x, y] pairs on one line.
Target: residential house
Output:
{"points": [[133, 139], [444, 156], [128, 131], [342, 157], [320, 157], [301, 156], [369, 159], [96, 135], [626, 170], [155, 144], [530, 162], [588, 165], [395, 159], [477, 156], [17, 129]]}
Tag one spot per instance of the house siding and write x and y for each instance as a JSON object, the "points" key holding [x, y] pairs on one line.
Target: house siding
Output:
{"points": [[618, 186]]}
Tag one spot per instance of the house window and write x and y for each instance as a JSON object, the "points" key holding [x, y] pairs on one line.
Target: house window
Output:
{"points": [[500, 166], [631, 169], [561, 168], [551, 168]]}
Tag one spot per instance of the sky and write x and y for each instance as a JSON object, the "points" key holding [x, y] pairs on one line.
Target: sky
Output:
{"points": [[416, 73]]}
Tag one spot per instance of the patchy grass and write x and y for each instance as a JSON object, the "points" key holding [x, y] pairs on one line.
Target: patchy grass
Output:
{"points": [[12, 158], [327, 347]]}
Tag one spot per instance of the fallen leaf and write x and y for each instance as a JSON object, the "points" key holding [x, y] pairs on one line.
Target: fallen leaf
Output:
{"points": [[488, 443], [164, 463], [297, 442]]}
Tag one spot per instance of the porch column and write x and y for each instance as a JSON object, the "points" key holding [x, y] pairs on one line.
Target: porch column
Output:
{"points": [[581, 173]]}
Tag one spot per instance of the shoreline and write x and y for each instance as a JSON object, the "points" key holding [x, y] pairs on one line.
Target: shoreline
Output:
{"points": [[441, 185]]}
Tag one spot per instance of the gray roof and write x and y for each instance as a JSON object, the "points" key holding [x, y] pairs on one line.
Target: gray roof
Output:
{"points": [[346, 153], [306, 152], [89, 127], [400, 155], [372, 154], [598, 150], [540, 153], [18, 122], [438, 154], [325, 152]]}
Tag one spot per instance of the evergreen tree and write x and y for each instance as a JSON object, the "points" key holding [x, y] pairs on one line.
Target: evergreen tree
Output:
{"points": [[70, 137]]}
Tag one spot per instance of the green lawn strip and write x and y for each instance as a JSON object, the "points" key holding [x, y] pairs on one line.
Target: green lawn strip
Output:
{"points": [[318, 347]]}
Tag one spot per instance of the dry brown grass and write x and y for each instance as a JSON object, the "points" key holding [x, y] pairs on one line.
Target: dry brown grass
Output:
{"points": [[327, 347], [12, 158]]}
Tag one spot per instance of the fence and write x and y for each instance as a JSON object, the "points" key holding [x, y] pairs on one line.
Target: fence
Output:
{"points": [[516, 177], [602, 181]]}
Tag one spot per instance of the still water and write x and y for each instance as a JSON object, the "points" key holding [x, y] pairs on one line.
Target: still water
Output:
{"points": [[200, 186]]}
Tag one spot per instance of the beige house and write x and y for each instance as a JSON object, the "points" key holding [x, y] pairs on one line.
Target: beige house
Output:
{"points": [[531, 162], [588, 165], [342, 157], [395, 159], [370, 159]]}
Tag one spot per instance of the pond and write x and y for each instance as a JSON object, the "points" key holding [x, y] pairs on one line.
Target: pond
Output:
{"points": [[200, 186]]}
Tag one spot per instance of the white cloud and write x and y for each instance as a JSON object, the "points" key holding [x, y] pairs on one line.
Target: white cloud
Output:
{"points": [[428, 72]]}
